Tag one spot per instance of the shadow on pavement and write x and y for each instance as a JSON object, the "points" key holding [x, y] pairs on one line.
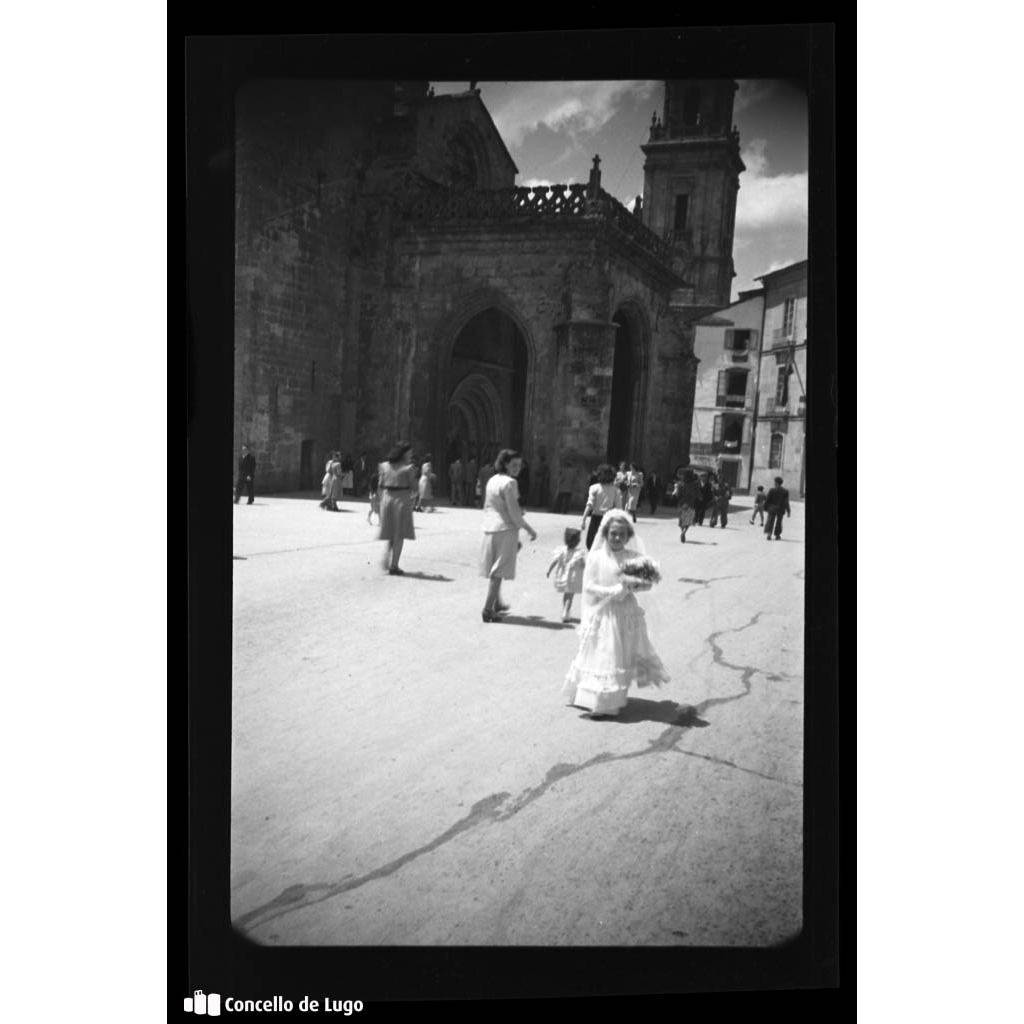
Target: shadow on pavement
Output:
{"points": [[240, 558], [426, 576], [668, 712], [534, 620], [704, 543]]}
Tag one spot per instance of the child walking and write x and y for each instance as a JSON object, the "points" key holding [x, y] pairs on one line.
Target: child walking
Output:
{"points": [[568, 567], [759, 500], [374, 498]]}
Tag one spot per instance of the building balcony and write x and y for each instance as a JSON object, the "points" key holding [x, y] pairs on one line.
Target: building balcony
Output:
{"points": [[731, 402]]}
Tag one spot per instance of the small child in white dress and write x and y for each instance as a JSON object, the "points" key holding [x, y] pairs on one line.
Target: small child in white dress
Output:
{"points": [[568, 568]]}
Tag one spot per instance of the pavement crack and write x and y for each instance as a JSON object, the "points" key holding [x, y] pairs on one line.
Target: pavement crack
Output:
{"points": [[297, 897], [491, 808], [747, 672], [739, 767]]}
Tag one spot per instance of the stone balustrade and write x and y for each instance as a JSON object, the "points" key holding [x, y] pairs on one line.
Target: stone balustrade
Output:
{"points": [[538, 202]]}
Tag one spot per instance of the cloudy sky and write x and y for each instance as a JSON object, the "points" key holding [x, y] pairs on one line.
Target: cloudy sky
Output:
{"points": [[554, 129]]}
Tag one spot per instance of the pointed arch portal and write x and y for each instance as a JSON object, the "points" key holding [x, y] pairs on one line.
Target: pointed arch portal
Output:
{"points": [[487, 395]]}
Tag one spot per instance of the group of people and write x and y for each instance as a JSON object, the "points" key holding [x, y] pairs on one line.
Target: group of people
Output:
{"points": [[468, 479], [696, 498], [615, 651]]}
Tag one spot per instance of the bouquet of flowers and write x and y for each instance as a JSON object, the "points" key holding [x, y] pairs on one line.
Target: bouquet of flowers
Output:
{"points": [[644, 570]]}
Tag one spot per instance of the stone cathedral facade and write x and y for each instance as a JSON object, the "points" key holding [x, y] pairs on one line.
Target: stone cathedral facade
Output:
{"points": [[393, 281]]}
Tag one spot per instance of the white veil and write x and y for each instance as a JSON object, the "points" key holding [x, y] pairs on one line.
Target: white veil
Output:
{"points": [[602, 574]]}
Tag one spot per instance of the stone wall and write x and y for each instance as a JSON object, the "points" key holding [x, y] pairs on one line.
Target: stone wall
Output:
{"points": [[298, 169]]}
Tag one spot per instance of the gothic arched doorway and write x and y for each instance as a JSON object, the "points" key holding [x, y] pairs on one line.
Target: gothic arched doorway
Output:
{"points": [[486, 389], [629, 371]]}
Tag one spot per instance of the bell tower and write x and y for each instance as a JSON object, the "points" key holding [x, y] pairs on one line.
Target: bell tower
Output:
{"points": [[691, 178]]}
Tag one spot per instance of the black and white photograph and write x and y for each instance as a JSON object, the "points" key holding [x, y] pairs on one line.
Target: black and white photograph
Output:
{"points": [[518, 414]]}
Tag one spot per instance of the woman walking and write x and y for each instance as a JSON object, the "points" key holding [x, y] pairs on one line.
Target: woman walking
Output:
{"points": [[503, 519], [634, 485], [707, 496], [615, 651], [687, 494], [602, 497], [396, 488]]}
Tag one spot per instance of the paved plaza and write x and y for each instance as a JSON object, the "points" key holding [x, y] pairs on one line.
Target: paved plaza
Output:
{"points": [[405, 774]]}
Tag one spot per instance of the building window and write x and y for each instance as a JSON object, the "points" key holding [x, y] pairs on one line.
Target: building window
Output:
{"points": [[728, 434], [788, 317], [732, 388], [782, 386], [775, 452], [739, 343], [679, 224]]}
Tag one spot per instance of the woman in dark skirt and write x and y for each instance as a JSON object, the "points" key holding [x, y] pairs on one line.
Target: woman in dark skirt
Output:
{"points": [[397, 490]]}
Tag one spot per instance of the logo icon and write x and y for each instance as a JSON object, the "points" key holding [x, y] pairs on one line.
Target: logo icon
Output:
{"points": [[198, 1002]]}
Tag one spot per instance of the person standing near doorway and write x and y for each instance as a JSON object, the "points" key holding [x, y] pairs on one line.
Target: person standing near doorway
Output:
{"points": [[455, 481], [246, 476], [469, 482]]}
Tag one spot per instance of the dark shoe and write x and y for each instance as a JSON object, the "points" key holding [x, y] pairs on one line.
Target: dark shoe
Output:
{"points": [[490, 616], [502, 609], [395, 571]]}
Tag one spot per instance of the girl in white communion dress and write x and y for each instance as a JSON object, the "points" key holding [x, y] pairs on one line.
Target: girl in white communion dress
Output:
{"points": [[615, 651]]}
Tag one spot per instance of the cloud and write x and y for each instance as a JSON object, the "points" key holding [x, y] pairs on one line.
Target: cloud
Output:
{"points": [[578, 109], [769, 200], [537, 182]]}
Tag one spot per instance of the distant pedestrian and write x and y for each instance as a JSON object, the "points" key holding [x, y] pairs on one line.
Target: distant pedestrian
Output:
{"points": [[634, 485], [470, 481], [563, 489], [720, 505], [361, 473], [523, 480], [686, 493], [246, 476], [426, 484], [347, 474], [707, 498], [602, 497], [485, 474], [503, 519], [776, 504], [335, 487], [396, 485], [653, 488], [759, 500], [455, 481], [568, 567]]}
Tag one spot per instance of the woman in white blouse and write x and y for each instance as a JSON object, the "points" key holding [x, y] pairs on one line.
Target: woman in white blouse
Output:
{"points": [[602, 497], [503, 520]]}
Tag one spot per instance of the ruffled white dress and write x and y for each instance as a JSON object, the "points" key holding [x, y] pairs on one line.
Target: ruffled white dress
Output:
{"points": [[615, 651]]}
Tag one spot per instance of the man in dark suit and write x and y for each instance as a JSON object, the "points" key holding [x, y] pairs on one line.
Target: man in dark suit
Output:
{"points": [[775, 504], [246, 475]]}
